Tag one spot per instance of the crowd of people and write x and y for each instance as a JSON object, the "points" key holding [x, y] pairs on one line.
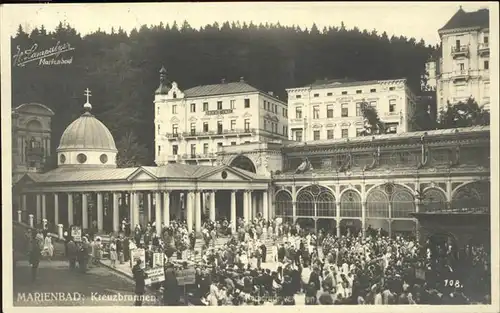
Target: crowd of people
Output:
{"points": [[367, 267]]}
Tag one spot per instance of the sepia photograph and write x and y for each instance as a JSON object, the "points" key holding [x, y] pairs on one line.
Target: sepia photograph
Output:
{"points": [[250, 154]]}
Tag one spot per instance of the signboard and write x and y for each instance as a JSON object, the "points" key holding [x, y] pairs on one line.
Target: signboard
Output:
{"points": [[420, 273], [158, 259], [185, 276], [76, 233], [218, 112], [154, 275], [139, 253]]}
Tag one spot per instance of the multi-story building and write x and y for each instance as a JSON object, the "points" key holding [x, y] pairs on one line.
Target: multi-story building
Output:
{"points": [[465, 60], [332, 109], [193, 124], [30, 138]]}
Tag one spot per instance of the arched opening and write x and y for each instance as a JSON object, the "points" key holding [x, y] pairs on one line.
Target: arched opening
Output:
{"points": [[403, 203], [326, 204], [34, 126], [377, 204], [244, 163], [434, 200], [316, 200], [305, 203], [350, 204], [283, 204], [472, 197]]}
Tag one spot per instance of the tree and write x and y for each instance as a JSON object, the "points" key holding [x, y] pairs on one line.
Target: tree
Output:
{"points": [[130, 152], [422, 119], [373, 125], [463, 114]]}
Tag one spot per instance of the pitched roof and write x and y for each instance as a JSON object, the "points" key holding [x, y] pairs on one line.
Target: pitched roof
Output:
{"points": [[220, 89], [340, 83], [462, 19]]}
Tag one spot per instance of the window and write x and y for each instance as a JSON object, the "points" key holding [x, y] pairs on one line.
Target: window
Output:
{"points": [[232, 104], [247, 103], [265, 124], [205, 106], [298, 96], [457, 44], [159, 129], [174, 129], [392, 106], [316, 95], [344, 92], [205, 148], [174, 109], [329, 94], [233, 124], [329, 134], [158, 112], [358, 109], [175, 95], [392, 88], [205, 127], [283, 112], [284, 130], [298, 135], [486, 65], [193, 129], [316, 135], [193, 107], [219, 105], [219, 146], [373, 90], [359, 91], [298, 112], [329, 111], [247, 125], [462, 66], [159, 150], [316, 112], [233, 143], [359, 132], [486, 39], [175, 149], [193, 150], [219, 127], [345, 132], [345, 110]]}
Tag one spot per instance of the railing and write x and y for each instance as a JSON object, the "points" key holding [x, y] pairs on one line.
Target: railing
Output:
{"points": [[484, 46], [236, 131], [297, 120], [172, 135], [460, 50], [37, 151], [199, 156]]}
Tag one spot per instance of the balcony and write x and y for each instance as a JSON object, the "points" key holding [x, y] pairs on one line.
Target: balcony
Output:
{"points": [[460, 51], [237, 132], [172, 136], [460, 76], [35, 152], [206, 156], [483, 49]]}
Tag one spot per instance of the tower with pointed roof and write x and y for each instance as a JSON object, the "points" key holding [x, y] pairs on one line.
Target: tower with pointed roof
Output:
{"points": [[87, 142], [465, 59]]}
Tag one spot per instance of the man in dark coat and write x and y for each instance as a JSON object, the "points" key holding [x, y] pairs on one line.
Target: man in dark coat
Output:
{"points": [[264, 252], [140, 284], [314, 278], [170, 286], [35, 252], [72, 253], [126, 250], [281, 253]]}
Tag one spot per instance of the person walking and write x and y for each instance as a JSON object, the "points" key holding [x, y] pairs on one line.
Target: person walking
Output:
{"points": [[140, 284], [48, 247], [35, 251], [72, 253], [112, 253]]}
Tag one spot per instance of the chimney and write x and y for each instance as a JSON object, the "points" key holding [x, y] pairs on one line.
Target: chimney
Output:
{"points": [[223, 81], [270, 93], [242, 79]]}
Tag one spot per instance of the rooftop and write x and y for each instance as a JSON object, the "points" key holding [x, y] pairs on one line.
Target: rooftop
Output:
{"points": [[220, 89], [462, 19], [340, 83]]}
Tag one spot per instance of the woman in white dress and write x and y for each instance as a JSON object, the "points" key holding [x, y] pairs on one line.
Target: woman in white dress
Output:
{"points": [[48, 247], [112, 253]]}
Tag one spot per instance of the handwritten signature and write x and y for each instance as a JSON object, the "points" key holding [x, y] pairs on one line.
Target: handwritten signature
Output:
{"points": [[21, 58]]}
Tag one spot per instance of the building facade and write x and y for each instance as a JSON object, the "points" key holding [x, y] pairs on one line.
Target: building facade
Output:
{"points": [[332, 109], [193, 124], [465, 60], [30, 138]]}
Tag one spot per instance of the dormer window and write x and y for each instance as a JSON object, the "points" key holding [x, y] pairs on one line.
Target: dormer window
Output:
{"points": [[174, 95]]}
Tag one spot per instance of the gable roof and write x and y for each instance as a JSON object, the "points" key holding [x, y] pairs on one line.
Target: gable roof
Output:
{"points": [[220, 89], [341, 83], [462, 19]]}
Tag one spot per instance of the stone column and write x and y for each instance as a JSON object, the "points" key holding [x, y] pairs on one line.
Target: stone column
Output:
{"points": [[150, 207], [294, 203], [60, 231], [38, 209], [56, 208], [19, 216], [136, 209], [131, 209], [253, 204], [31, 221], [250, 205], [166, 208], [265, 205], [44, 206], [245, 206], [116, 213], [189, 210], [100, 214], [158, 212], [212, 205], [337, 217], [85, 212], [363, 218], [197, 211], [70, 209], [24, 208], [233, 211]]}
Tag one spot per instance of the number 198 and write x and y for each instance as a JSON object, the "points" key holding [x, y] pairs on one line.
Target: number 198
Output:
{"points": [[452, 283]]}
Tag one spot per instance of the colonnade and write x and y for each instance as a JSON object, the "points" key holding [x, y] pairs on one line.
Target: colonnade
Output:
{"points": [[157, 207]]}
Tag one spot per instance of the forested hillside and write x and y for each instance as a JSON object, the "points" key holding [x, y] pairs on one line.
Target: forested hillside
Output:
{"points": [[122, 69]]}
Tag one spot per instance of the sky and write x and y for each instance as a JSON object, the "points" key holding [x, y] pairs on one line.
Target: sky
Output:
{"points": [[414, 19]]}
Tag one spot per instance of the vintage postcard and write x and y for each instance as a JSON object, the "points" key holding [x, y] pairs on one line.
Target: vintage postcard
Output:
{"points": [[250, 154]]}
